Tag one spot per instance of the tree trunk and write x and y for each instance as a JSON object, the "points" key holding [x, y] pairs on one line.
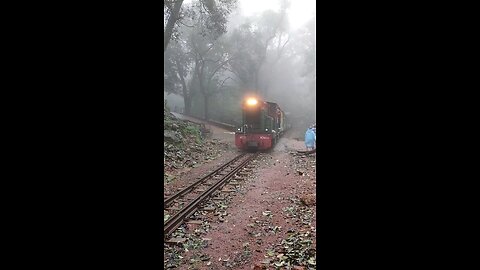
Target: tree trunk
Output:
{"points": [[167, 34], [187, 101], [188, 105], [205, 105]]}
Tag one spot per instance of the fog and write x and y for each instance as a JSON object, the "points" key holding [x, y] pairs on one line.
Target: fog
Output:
{"points": [[220, 52]]}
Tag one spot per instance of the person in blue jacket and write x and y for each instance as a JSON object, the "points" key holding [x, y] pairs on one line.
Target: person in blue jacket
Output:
{"points": [[310, 139]]}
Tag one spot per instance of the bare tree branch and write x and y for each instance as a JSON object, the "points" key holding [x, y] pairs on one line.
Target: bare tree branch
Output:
{"points": [[218, 68], [239, 78], [211, 47], [220, 88], [223, 82], [182, 23], [280, 50]]}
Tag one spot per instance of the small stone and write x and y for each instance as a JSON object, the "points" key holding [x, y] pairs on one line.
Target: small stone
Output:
{"points": [[309, 200]]}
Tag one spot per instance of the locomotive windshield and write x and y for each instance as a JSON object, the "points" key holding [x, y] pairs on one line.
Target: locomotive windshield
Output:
{"points": [[252, 119]]}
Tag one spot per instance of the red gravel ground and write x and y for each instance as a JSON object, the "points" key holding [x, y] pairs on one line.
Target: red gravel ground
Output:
{"points": [[271, 190], [249, 234]]}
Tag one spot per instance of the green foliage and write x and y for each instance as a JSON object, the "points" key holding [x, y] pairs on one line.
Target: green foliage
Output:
{"points": [[191, 130]]}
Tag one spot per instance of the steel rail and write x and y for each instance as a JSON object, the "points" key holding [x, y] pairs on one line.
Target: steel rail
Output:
{"points": [[170, 199], [174, 222]]}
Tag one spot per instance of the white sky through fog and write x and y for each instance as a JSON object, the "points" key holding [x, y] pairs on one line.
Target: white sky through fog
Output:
{"points": [[300, 11]]}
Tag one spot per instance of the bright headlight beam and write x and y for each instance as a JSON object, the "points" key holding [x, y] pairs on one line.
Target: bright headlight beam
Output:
{"points": [[252, 101]]}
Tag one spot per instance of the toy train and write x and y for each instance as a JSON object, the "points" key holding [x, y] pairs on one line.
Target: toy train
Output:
{"points": [[262, 125]]}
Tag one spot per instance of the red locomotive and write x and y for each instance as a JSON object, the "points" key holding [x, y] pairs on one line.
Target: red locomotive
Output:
{"points": [[262, 125]]}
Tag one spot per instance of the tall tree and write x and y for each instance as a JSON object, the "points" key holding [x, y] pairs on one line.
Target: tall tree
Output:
{"points": [[246, 47], [255, 42], [171, 10], [177, 70], [211, 59], [214, 11]]}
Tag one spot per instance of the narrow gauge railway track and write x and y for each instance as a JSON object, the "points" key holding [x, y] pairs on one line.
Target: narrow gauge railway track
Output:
{"points": [[167, 202], [225, 172]]}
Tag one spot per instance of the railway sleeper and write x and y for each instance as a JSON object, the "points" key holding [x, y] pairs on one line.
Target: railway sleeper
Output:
{"points": [[179, 201], [194, 221]]}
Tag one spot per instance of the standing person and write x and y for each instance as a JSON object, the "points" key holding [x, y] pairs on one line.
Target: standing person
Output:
{"points": [[315, 134], [310, 139]]}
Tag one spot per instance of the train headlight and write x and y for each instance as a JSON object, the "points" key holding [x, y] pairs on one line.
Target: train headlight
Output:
{"points": [[252, 101]]}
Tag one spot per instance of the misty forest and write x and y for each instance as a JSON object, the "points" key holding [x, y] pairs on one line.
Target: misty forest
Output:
{"points": [[214, 55], [239, 172]]}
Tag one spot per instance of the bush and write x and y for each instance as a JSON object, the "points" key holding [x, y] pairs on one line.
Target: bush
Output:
{"points": [[193, 131]]}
